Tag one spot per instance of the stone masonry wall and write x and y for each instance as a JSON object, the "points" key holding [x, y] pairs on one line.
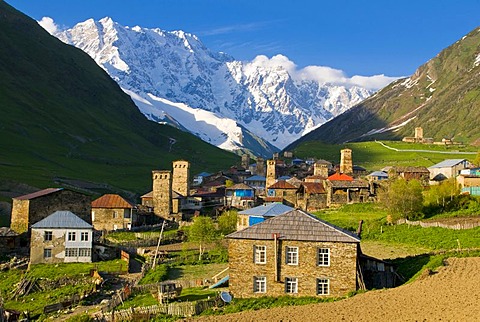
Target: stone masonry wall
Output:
{"points": [[341, 272], [110, 218], [181, 177], [57, 244]]}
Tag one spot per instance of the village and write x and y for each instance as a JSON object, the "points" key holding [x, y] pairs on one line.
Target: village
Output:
{"points": [[279, 247]]}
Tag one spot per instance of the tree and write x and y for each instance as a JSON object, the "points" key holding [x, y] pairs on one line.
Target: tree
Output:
{"points": [[443, 194], [202, 231], [403, 198], [477, 159], [227, 222]]}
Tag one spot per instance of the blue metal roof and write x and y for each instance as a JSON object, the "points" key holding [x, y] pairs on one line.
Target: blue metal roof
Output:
{"points": [[203, 174], [447, 163], [379, 174], [284, 178], [256, 178], [62, 219], [270, 210]]}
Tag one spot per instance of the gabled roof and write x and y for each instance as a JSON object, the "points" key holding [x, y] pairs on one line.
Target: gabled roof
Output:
{"points": [[203, 174], [403, 169], [296, 225], [282, 184], [62, 219], [111, 201], [315, 177], [382, 174], [270, 210], [314, 187], [448, 163], [256, 178], [340, 177], [348, 184], [148, 195], [176, 195], [37, 194], [285, 178], [240, 186]]}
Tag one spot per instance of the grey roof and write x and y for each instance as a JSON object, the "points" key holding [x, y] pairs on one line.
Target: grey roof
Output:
{"points": [[447, 163], [270, 210], [379, 174], [256, 178], [296, 225], [62, 219], [358, 183]]}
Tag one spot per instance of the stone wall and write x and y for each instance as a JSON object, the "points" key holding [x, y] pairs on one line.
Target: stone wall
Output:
{"points": [[28, 212], [271, 173], [315, 202], [181, 178], [162, 193], [57, 244], [111, 218], [341, 272]]}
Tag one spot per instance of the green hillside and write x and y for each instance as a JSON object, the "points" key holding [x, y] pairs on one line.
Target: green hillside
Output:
{"points": [[64, 119], [443, 97]]}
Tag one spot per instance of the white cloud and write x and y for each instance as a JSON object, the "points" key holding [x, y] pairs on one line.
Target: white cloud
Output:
{"points": [[321, 74], [48, 24]]}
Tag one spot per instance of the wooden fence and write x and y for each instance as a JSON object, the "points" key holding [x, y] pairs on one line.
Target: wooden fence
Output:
{"points": [[423, 224], [182, 309]]}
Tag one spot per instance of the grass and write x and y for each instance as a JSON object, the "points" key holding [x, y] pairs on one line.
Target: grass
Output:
{"points": [[194, 272], [159, 274]]}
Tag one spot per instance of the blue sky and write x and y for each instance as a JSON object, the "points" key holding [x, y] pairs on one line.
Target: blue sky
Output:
{"points": [[357, 37]]}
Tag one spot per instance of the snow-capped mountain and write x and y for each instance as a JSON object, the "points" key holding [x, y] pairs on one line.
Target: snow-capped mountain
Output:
{"points": [[173, 77]]}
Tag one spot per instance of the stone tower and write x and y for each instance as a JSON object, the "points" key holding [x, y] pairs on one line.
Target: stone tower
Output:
{"points": [[271, 173], [181, 177], [418, 134], [162, 192], [260, 167], [245, 161], [320, 169], [346, 164]]}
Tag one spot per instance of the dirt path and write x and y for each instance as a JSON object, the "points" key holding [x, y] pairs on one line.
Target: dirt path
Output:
{"points": [[452, 294]]}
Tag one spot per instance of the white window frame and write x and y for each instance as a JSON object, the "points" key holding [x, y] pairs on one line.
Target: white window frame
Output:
{"points": [[71, 252], [260, 254], [323, 286], [260, 284], [323, 256], [291, 255], [84, 236], [48, 235], [84, 252], [71, 236], [291, 285], [47, 253]]}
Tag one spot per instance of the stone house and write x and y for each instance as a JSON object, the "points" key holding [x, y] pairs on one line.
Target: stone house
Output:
{"points": [[112, 212], [449, 168], [342, 189], [240, 196], [61, 237], [31, 208], [255, 215], [311, 196], [408, 173], [284, 190], [257, 183], [295, 254]]}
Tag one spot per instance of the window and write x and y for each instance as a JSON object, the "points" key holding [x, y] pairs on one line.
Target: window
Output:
{"points": [[48, 236], [323, 257], [71, 252], [93, 215], [115, 214], [71, 236], [291, 255], [291, 285], [84, 252], [84, 236], [260, 254], [323, 286], [47, 253], [259, 284]]}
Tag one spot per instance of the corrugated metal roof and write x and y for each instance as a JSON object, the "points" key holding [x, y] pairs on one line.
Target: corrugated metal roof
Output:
{"points": [[340, 177], [382, 174], [37, 194], [448, 163], [270, 210], [256, 178], [296, 225], [62, 219], [314, 187], [348, 184], [111, 201], [282, 185]]}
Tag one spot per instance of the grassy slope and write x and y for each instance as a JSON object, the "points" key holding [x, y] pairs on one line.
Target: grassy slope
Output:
{"points": [[449, 106], [373, 156], [63, 116]]}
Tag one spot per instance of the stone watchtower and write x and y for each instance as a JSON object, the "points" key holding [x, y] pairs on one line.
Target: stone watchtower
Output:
{"points": [[181, 177], [162, 192], [260, 167], [245, 161], [271, 173], [346, 164], [418, 134], [320, 169]]}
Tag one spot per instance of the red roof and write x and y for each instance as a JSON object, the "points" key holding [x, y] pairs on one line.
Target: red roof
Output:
{"points": [[282, 185], [314, 187], [340, 177], [111, 201], [37, 194]]}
